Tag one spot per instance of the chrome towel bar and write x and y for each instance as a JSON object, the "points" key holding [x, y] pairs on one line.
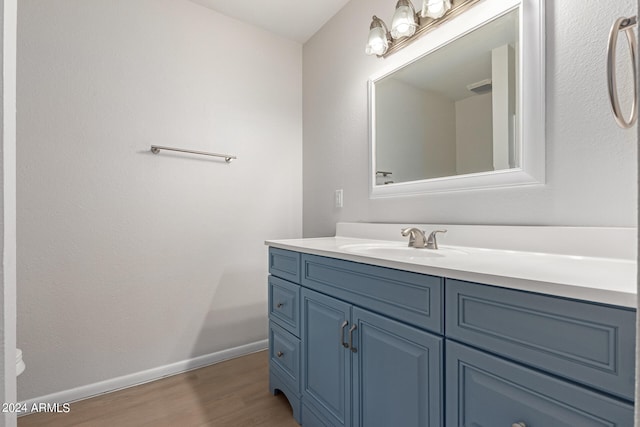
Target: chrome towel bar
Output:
{"points": [[155, 149], [626, 25]]}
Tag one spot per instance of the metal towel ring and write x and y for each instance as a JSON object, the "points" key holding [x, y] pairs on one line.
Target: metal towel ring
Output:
{"points": [[626, 25]]}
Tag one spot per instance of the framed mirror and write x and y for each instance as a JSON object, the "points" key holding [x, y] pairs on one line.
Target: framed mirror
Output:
{"points": [[463, 107]]}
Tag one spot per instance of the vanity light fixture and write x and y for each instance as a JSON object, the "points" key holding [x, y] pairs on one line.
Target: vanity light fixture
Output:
{"points": [[407, 25]]}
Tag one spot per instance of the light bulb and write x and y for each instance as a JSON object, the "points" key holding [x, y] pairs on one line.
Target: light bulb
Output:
{"points": [[404, 20], [377, 43], [435, 8]]}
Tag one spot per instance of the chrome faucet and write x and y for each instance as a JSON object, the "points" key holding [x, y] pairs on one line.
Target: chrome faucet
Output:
{"points": [[417, 238]]}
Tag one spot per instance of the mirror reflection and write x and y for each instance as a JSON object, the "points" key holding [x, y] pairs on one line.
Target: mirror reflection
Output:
{"points": [[452, 112]]}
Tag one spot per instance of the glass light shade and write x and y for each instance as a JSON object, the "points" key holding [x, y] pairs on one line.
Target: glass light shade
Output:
{"points": [[435, 8], [378, 42], [404, 21]]}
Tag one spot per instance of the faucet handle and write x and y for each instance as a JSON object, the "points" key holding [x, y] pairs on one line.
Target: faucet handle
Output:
{"points": [[432, 242]]}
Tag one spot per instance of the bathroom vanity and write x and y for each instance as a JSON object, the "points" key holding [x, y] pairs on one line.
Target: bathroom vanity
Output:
{"points": [[368, 332]]}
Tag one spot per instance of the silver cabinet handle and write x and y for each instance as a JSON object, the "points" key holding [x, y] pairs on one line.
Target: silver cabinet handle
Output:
{"points": [[280, 354], [351, 329], [280, 305], [626, 25], [344, 325], [519, 424]]}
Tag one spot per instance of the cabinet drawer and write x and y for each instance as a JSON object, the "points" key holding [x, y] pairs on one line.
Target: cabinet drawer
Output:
{"points": [[284, 304], [588, 343], [486, 391], [284, 355], [410, 297], [284, 264]]}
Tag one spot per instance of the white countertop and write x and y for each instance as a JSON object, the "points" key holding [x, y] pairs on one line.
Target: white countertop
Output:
{"points": [[571, 274]]}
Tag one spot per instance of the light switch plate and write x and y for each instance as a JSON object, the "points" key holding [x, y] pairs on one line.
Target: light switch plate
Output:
{"points": [[339, 198]]}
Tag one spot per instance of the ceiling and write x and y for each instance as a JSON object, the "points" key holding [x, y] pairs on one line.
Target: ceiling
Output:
{"points": [[296, 20]]}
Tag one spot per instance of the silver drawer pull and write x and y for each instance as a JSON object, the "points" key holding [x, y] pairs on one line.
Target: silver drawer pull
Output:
{"points": [[519, 424], [280, 305], [351, 329], [280, 354], [344, 325]]}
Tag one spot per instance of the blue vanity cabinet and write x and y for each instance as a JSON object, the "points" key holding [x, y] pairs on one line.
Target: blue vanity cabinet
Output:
{"points": [[358, 345], [588, 343], [284, 327], [488, 391], [370, 353], [284, 264], [397, 373], [412, 298], [366, 370], [517, 358], [326, 359]]}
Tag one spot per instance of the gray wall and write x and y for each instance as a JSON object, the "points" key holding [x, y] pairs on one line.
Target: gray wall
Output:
{"points": [[591, 167], [128, 260]]}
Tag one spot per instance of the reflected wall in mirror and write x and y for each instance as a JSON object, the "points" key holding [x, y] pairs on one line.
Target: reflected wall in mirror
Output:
{"points": [[454, 117], [452, 112]]}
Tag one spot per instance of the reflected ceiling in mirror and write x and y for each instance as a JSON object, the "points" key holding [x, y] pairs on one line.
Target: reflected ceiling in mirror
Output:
{"points": [[453, 117]]}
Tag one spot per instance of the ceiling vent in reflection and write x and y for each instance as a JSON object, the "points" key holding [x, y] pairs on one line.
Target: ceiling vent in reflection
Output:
{"points": [[483, 86]]}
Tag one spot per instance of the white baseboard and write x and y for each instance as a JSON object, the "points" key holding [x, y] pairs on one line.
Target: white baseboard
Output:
{"points": [[137, 378]]}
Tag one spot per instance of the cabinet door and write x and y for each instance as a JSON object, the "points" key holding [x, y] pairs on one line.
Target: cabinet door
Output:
{"points": [[326, 363], [486, 391], [396, 374]]}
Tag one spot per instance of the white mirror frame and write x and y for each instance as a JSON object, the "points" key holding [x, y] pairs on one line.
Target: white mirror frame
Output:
{"points": [[532, 99]]}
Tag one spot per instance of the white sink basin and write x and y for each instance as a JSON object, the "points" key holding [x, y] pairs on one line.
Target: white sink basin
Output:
{"points": [[399, 250]]}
